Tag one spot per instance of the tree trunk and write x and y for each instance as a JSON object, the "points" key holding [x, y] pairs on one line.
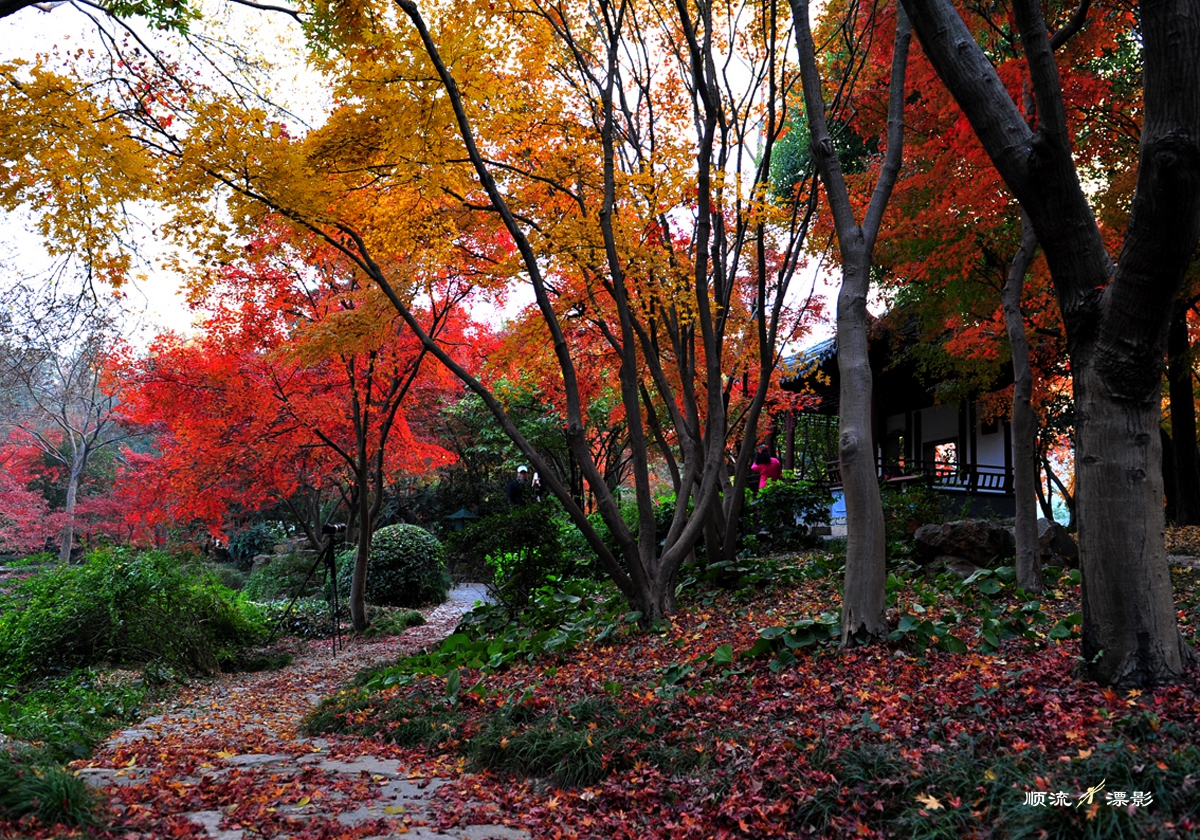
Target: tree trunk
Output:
{"points": [[1116, 318], [358, 582], [1168, 467], [1044, 502], [864, 599], [656, 600], [74, 476], [1130, 635], [1186, 492], [366, 527], [1024, 421]]}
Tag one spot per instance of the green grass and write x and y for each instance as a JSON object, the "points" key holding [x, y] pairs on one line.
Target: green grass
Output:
{"points": [[32, 785], [49, 723], [407, 722], [67, 717]]}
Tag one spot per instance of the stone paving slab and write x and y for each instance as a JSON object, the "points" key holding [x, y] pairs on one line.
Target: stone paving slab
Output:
{"points": [[361, 764], [210, 821], [397, 798], [103, 776], [257, 760]]}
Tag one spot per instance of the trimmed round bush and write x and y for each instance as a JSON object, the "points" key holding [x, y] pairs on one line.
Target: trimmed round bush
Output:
{"points": [[406, 568]]}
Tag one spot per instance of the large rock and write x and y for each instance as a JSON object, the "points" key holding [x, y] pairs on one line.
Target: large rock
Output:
{"points": [[259, 561], [1056, 546], [975, 540], [294, 545]]}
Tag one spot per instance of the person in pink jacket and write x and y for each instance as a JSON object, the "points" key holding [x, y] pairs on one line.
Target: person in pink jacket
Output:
{"points": [[767, 466]]}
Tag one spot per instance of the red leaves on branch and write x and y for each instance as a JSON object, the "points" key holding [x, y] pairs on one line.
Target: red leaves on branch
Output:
{"points": [[297, 376]]}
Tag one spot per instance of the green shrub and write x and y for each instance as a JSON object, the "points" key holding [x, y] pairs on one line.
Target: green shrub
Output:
{"points": [[787, 510], [489, 638], [259, 538], [629, 513], [576, 548], [309, 618], [463, 562], [121, 607], [31, 786], [39, 559], [521, 548], [229, 576], [71, 715], [905, 509], [393, 623], [405, 568], [283, 577]]}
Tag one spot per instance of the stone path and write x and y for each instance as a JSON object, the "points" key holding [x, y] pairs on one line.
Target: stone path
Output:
{"points": [[226, 762]]}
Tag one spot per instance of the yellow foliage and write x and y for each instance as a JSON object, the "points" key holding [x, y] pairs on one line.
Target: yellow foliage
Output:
{"points": [[68, 156]]}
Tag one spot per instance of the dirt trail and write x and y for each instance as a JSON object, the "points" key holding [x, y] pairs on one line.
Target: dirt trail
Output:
{"points": [[227, 762]]}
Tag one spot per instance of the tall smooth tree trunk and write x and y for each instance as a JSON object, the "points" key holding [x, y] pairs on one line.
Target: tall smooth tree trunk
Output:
{"points": [[1024, 420], [74, 476], [358, 582], [864, 599], [1182, 401]]}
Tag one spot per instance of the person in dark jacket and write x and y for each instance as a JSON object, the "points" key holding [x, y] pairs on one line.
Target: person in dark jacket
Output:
{"points": [[518, 488]]}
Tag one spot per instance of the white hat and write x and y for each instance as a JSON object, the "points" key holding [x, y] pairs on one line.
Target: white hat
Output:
{"points": [[522, 468]]}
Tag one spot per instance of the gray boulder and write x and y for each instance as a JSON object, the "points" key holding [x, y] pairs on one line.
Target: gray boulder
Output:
{"points": [[259, 561], [976, 541], [1056, 546], [293, 545], [963, 569]]}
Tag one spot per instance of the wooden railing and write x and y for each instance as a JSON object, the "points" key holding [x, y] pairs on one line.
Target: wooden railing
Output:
{"points": [[941, 475]]}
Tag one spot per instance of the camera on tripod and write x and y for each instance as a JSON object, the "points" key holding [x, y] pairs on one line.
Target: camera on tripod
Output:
{"points": [[326, 558]]}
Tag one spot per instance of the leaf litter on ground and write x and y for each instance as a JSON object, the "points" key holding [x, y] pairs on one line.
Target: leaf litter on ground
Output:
{"points": [[678, 732], [227, 756]]}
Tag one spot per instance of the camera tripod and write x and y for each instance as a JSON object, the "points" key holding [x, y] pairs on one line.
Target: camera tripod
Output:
{"points": [[326, 558]]}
